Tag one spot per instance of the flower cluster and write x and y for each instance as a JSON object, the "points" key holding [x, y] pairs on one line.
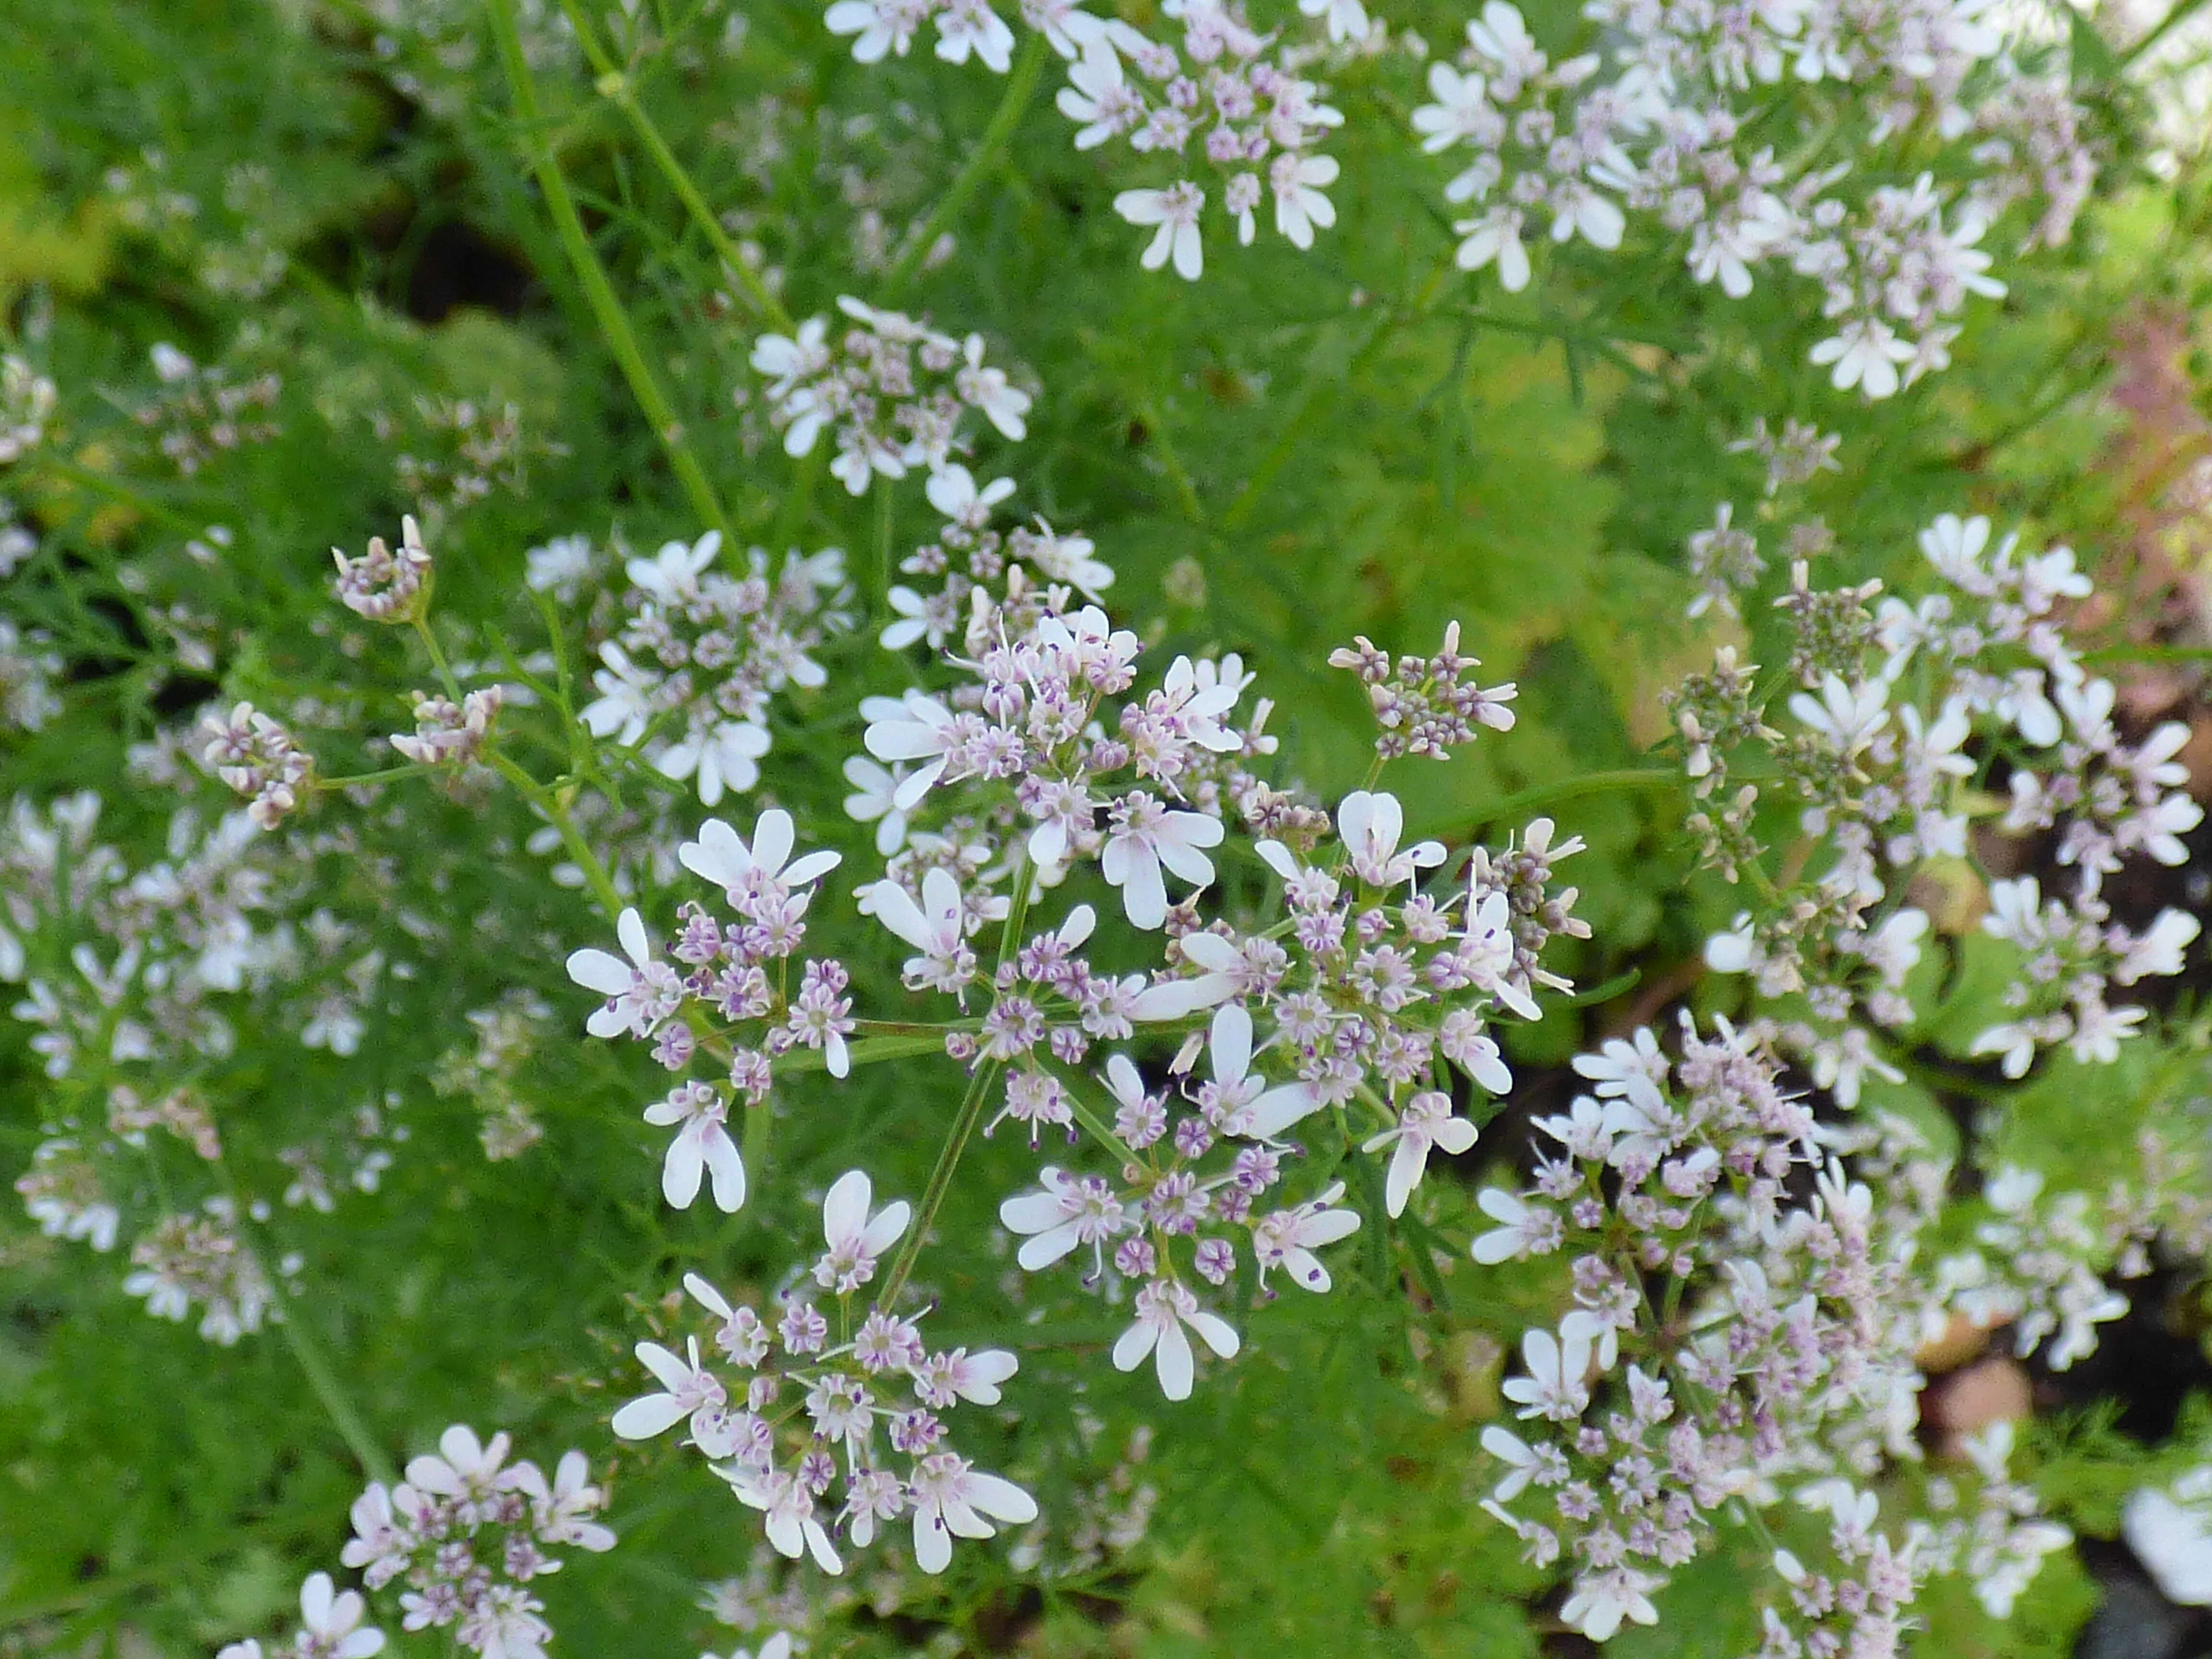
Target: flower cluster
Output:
{"points": [[447, 733], [1890, 704], [466, 1533], [892, 391], [507, 1034], [1232, 92], [1015, 570], [189, 1260], [1666, 121], [877, 1377], [728, 989], [687, 678], [200, 412]]}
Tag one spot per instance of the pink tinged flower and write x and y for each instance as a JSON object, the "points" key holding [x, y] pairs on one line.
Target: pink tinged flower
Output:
{"points": [[1176, 211], [672, 576], [856, 1239], [1489, 952], [937, 927], [970, 25], [1244, 1104], [1147, 836], [702, 1146], [1163, 1308], [1071, 1210], [916, 728], [465, 1468], [974, 1377], [721, 856], [1866, 353], [1426, 1122], [332, 1622], [952, 1498], [1370, 824], [879, 26], [723, 756], [1288, 1238], [1522, 1230], [640, 992]]}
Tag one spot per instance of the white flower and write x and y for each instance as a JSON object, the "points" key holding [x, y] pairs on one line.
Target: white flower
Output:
{"points": [[559, 567], [1866, 352], [562, 1509], [640, 992], [856, 1239], [1427, 1121], [1522, 1231], [702, 1146], [1848, 716], [1164, 1308], [937, 927], [1238, 1102], [1510, 1450], [1097, 98], [1298, 182], [880, 26], [672, 576], [688, 1389], [1219, 964], [1005, 405], [1555, 1386], [1288, 1238], [788, 1507], [1071, 1210], [1347, 19], [333, 1622], [766, 867], [1601, 1599], [916, 728], [966, 26], [874, 800], [1370, 824], [1495, 236], [725, 754], [952, 1497], [1176, 211], [466, 1469], [1146, 836]]}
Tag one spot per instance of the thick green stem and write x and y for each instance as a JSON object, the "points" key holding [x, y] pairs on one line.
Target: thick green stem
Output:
{"points": [[940, 1181], [606, 307], [1021, 86]]}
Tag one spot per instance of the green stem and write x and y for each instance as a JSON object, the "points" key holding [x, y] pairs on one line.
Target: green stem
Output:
{"points": [[548, 802], [613, 321], [437, 657], [612, 82], [322, 1377], [1594, 783], [1021, 86], [940, 1181]]}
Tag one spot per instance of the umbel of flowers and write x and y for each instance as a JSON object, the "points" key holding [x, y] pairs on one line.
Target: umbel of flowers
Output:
{"points": [[1037, 774]]}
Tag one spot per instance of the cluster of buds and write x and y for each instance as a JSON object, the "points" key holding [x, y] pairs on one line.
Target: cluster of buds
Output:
{"points": [[181, 1111], [1421, 706], [466, 1533], [258, 758], [447, 733], [384, 586], [892, 391], [255, 756]]}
